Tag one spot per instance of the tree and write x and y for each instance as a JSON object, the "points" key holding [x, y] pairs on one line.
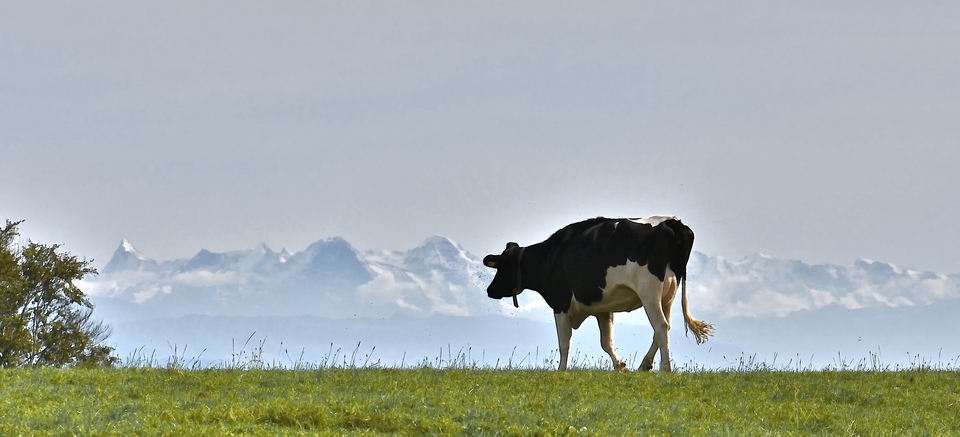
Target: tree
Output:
{"points": [[45, 319]]}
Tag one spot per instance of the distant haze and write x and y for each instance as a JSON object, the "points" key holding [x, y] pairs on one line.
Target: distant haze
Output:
{"points": [[409, 303], [818, 131]]}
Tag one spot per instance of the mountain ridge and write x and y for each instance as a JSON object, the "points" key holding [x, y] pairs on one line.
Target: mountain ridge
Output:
{"points": [[333, 279], [408, 302], [329, 278]]}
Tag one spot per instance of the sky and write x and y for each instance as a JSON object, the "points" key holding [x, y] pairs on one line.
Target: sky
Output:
{"points": [[820, 131]]}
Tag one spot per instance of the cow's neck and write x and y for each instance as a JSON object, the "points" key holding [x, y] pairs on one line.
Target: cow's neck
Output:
{"points": [[538, 276], [531, 272]]}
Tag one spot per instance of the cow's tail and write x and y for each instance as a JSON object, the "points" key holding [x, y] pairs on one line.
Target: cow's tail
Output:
{"points": [[701, 330]]}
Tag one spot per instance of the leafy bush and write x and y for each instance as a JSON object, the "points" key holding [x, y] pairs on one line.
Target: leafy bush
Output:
{"points": [[45, 319]]}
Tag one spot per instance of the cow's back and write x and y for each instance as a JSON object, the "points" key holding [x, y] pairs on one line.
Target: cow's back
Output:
{"points": [[582, 252]]}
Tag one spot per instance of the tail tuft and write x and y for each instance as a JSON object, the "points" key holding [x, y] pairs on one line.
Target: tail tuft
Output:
{"points": [[701, 330]]}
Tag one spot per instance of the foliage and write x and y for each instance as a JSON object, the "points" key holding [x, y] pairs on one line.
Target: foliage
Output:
{"points": [[373, 401], [45, 319]]}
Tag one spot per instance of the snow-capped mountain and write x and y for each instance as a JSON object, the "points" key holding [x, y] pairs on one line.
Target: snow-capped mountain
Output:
{"points": [[760, 285], [126, 258], [439, 276], [329, 278], [332, 279]]}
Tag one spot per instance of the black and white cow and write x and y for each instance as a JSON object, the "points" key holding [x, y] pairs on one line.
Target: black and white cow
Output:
{"points": [[601, 266]]}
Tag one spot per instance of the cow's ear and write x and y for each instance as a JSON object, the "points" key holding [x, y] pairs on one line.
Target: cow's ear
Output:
{"points": [[491, 261], [511, 245]]}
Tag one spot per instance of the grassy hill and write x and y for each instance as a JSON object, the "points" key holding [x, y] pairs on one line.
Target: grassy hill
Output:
{"points": [[463, 401]]}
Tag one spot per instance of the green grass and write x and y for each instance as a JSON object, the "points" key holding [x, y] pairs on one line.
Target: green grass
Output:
{"points": [[371, 401]]}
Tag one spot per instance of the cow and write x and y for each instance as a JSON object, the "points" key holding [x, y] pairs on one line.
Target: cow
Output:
{"points": [[601, 266]]}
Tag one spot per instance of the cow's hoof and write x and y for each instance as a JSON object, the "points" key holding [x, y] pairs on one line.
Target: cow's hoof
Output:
{"points": [[646, 365], [622, 367]]}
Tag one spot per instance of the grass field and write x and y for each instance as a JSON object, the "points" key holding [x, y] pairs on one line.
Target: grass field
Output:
{"points": [[457, 401]]}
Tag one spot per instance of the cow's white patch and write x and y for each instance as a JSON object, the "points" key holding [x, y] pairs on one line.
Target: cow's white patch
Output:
{"points": [[627, 287], [654, 220]]}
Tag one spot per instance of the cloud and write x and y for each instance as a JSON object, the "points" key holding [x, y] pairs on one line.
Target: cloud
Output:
{"points": [[204, 278], [143, 295], [117, 283]]}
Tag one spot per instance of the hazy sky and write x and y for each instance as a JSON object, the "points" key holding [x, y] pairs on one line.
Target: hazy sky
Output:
{"points": [[820, 131]]}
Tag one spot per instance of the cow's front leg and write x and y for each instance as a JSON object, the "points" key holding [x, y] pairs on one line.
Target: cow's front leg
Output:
{"points": [[605, 321], [564, 333]]}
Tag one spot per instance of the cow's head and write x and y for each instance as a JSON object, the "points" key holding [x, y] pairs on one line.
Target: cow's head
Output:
{"points": [[507, 281]]}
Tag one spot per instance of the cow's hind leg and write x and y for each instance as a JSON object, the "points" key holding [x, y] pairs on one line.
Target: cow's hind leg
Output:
{"points": [[605, 320], [658, 321], [564, 333], [647, 363]]}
